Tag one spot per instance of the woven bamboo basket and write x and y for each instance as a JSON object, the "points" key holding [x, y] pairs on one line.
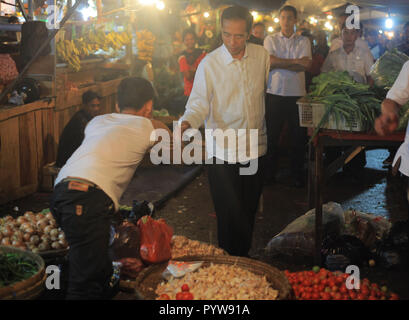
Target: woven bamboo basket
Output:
{"points": [[29, 288], [129, 285], [149, 278]]}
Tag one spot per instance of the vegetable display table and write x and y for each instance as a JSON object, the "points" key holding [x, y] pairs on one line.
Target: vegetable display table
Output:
{"points": [[317, 174]]}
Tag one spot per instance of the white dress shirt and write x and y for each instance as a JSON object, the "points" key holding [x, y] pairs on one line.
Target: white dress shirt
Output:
{"points": [[284, 82], [113, 147], [361, 43], [400, 94], [229, 93], [358, 63]]}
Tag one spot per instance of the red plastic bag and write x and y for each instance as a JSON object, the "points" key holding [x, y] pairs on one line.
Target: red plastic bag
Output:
{"points": [[156, 238]]}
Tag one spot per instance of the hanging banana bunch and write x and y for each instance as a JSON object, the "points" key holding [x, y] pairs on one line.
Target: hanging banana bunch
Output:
{"points": [[92, 41], [145, 44]]}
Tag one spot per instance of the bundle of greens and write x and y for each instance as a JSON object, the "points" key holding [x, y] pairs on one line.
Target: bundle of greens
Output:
{"points": [[344, 99], [386, 69], [14, 267]]}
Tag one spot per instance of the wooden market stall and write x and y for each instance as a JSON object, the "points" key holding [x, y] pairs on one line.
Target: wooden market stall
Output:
{"points": [[29, 133]]}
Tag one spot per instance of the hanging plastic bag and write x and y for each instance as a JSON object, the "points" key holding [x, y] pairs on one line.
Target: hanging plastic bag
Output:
{"points": [[156, 238], [298, 238]]}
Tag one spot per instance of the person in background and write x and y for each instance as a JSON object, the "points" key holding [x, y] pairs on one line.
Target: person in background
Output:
{"points": [[88, 187], [189, 60], [73, 133], [337, 42], [374, 45], [388, 121], [290, 56], [357, 61], [404, 46], [258, 33], [350, 57], [228, 94]]}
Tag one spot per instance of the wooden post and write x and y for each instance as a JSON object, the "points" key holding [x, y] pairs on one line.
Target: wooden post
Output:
{"points": [[318, 200], [99, 10]]}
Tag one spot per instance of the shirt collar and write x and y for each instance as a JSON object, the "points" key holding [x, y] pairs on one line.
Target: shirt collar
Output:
{"points": [[283, 36], [227, 57], [354, 50]]}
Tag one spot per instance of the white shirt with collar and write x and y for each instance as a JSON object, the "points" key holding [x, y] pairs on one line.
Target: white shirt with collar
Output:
{"points": [[361, 43], [400, 94], [284, 82], [358, 63], [113, 147], [229, 93]]}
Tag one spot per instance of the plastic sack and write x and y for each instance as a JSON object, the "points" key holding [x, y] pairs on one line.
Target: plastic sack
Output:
{"points": [[387, 68], [125, 241], [130, 267], [394, 250], [366, 227], [339, 251], [156, 238], [298, 238]]}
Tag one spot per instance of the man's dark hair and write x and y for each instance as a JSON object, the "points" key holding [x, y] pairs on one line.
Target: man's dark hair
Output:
{"points": [[134, 92], [13, 19], [189, 31], [90, 95], [259, 24], [344, 26], [290, 9], [238, 13]]}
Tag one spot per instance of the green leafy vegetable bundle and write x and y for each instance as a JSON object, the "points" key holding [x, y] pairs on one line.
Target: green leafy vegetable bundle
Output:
{"points": [[386, 69], [344, 98], [14, 267]]}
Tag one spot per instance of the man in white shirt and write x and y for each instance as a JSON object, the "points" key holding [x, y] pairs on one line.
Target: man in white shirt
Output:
{"points": [[350, 57], [88, 187], [290, 56], [388, 121], [228, 94], [358, 63], [337, 42]]}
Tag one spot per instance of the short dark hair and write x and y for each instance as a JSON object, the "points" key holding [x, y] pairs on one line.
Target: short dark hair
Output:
{"points": [[13, 19], [290, 9], [344, 26], [134, 92], [189, 31], [90, 95], [238, 13], [259, 24]]}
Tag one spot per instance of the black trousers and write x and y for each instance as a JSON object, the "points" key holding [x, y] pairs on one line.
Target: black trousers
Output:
{"points": [[85, 218], [235, 198], [280, 109]]}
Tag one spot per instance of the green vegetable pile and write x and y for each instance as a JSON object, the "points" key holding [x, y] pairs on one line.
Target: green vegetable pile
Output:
{"points": [[387, 68], [344, 98], [14, 267]]}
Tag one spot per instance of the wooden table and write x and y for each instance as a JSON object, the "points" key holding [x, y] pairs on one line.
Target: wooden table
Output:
{"points": [[317, 174]]}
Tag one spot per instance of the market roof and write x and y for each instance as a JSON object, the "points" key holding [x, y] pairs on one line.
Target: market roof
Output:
{"points": [[317, 6], [314, 6]]}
